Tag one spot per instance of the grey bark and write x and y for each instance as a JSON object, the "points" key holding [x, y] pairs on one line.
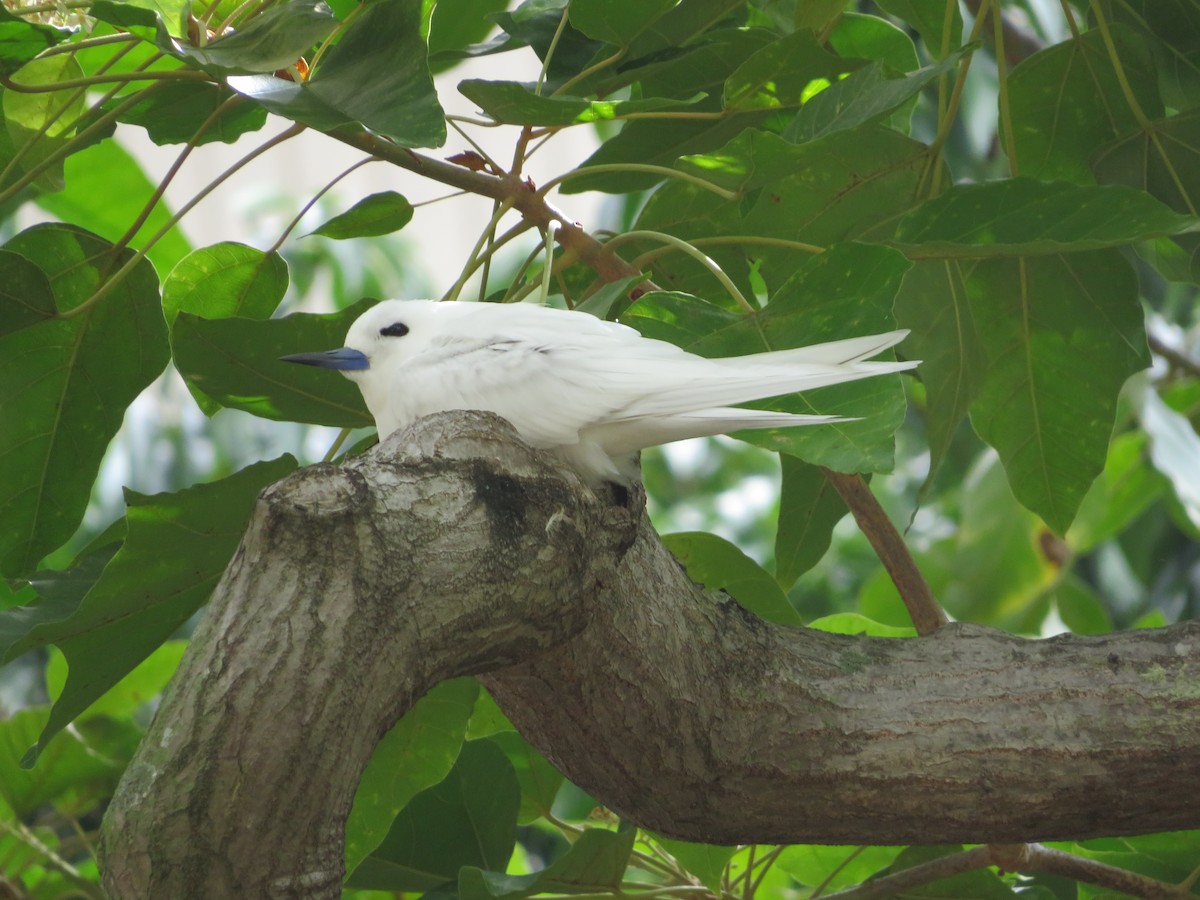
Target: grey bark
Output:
{"points": [[454, 549]]}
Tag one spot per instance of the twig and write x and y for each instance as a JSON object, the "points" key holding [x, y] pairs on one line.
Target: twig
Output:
{"points": [[925, 873], [1040, 858], [927, 615], [1019, 42]]}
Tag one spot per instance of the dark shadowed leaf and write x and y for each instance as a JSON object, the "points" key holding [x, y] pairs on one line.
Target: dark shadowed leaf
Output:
{"points": [[417, 753], [271, 40], [1061, 335], [376, 76], [539, 780], [616, 21], [174, 113], [25, 295], [809, 508], [381, 213], [236, 362], [595, 864], [66, 384], [175, 551], [21, 41], [720, 566], [469, 819]]}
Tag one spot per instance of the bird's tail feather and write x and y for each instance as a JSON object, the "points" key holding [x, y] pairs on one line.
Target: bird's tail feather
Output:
{"points": [[831, 353], [630, 435]]}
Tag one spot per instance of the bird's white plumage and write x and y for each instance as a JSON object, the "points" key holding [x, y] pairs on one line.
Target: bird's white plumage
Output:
{"points": [[594, 391]]}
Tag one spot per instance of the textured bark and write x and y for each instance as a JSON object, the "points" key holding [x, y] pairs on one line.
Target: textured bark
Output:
{"points": [[454, 549]]}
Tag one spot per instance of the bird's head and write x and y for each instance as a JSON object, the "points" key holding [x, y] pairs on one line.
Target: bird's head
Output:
{"points": [[377, 340]]}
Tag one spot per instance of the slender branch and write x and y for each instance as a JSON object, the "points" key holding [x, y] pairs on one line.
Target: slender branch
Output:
{"points": [[113, 78], [925, 873], [1014, 42], [89, 43], [664, 171], [1040, 858], [927, 615], [291, 226], [682, 245]]}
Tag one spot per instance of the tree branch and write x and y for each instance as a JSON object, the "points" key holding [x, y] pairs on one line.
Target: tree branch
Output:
{"points": [[455, 549]]}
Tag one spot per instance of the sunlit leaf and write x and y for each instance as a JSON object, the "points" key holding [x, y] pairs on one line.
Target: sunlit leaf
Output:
{"points": [[705, 861], [41, 123], [226, 279], [779, 73], [856, 623], [835, 867], [21, 41]]}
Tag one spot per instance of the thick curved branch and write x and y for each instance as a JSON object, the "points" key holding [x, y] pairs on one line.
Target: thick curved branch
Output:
{"points": [[455, 549]]}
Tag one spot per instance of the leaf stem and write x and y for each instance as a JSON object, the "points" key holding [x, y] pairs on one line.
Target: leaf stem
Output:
{"points": [[558, 33], [664, 171], [600, 66], [114, 78], [698, 255], [477, 255], [1006, 125], [89, 43], [926, 614], [749, 240], [291, 226]]}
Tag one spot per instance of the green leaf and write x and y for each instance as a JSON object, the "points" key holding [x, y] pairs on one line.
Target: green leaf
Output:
{"points": [[1125, 490], [862, 98], [1065, 101], [172, 13], [175, 112], [224, 280], [720, 566], [469, 819], [375, 76], [455, 25], [25, 295], [856, 623], [981, 884], [236, 362], [539, 780], [705, 861], [596, 863], [381, 213], [143, 684], [933, 303], [417, 753], [616, 21], [809, 508], [1021, 216], [176, 550], [516, 104], [698, 67], [107, 190], [1061, 335], [40, 124], [780, 74], [66, 384], [271, 40], [69, 764], [21, 41], [686, 22]]}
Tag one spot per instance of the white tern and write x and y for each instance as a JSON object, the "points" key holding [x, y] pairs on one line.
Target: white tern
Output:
{"points": [[596, 392]]}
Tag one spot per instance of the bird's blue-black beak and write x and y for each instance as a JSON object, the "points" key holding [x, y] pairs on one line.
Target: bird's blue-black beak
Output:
{"points": [[343, 358]]}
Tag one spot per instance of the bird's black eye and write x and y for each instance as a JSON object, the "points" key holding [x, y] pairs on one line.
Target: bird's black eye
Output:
{"points": [[396, 329]]}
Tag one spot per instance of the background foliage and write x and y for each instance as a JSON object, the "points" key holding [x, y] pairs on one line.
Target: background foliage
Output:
{"points": [[1020, 192]]}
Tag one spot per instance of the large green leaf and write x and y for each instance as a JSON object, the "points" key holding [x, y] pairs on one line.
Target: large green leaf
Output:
{"points": [[40, 123], [382, 213], [698, 67], [106, 191], [1024, 216], [236, 362], [25, 294], [939, 23], [1065, 101], [272, 40], [1061, 334], [539, 780], [705, 861], [176, 550], [417, 753], [469, 819], [809, 508], [718, 565], [66, 383], [616, 21], [595, 864], [835, 867], [375, 76]]}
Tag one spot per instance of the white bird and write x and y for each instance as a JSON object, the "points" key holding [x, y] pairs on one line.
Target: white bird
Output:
{"points": [[595, 392]]}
